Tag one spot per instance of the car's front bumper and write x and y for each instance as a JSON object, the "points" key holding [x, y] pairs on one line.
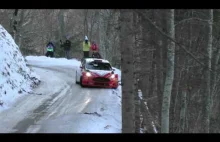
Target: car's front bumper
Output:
{"points": [[88, 81]]}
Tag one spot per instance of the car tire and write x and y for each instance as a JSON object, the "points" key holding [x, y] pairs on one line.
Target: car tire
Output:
{"points": [[115, 87], [76, 79], [81, 82]]}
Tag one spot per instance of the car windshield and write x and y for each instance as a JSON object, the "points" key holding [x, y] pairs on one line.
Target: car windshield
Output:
{"points": [[98, 66]]}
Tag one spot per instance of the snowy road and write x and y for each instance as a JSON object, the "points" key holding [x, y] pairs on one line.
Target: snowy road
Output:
{"points": [[61, 106]]}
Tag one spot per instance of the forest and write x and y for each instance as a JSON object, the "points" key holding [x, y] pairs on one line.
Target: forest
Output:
{"points": [[169, 59]]}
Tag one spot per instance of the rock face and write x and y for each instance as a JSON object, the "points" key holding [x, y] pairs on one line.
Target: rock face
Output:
{"points": [[15, 77]]}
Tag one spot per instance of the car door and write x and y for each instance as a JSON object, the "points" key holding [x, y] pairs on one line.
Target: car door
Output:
{"points": [[80, 69], [78, 72]]}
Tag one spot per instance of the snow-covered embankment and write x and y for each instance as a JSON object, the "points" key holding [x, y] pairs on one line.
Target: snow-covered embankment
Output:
{"points": [[16, 79]]}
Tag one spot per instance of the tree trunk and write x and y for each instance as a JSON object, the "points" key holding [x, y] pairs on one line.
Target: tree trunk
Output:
{"points": [[206, 94], [126, 42], [13, 24], [86, 28], [159, 67], [183, 102], [62, 25], [169, 74], [137, 99], [19, 28]]}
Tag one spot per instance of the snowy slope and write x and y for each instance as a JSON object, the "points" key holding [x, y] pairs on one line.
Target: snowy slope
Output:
{"points": [[16, 78]]}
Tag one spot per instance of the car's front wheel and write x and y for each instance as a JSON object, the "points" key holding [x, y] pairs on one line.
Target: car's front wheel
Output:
{"points": [[76, 79], [81, 82]]}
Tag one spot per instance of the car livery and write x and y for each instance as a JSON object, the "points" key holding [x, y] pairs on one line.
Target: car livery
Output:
{"points": [[96, 72]]}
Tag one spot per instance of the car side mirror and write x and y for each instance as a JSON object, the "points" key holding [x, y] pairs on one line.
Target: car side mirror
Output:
{"points": [[113, 71]]}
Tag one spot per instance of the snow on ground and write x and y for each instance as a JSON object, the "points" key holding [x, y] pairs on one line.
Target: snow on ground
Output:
{"points": [[44, 61], [71, 109], [87, 110], [16, 79], [25, 105], [90, 111]]}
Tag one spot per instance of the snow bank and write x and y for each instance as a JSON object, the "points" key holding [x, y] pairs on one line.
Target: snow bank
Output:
{"points": [[47, 61], [15, 77]]}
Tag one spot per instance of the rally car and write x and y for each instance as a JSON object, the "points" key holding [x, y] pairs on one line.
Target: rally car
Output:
{"points": [[96, 72]]}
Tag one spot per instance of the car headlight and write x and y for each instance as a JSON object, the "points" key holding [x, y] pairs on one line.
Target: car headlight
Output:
{"points": [[88, 74], [112, 76]]}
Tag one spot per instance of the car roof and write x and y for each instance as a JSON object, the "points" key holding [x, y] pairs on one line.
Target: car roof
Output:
{"points": [[93, 59]]}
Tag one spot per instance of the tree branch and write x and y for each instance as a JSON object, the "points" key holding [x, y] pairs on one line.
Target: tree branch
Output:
{"points": [[189, 19], [164, 34]]}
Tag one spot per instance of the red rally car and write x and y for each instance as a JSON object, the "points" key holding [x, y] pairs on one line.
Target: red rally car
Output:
{"points": [[96, 72]]}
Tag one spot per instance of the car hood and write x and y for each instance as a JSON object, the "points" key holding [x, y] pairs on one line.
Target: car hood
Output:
{"points": [[100, 72]]}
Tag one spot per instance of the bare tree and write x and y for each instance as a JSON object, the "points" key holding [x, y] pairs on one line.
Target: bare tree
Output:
{"points": [[14, 22], [86, 28], [62, 24], [169, 74], [206, 94], [126, 42]]}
